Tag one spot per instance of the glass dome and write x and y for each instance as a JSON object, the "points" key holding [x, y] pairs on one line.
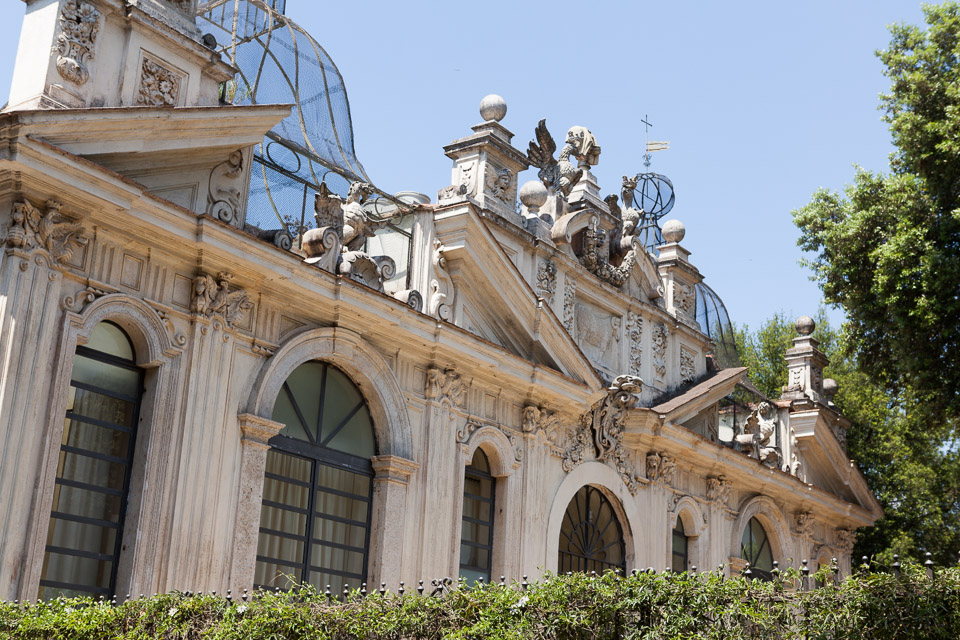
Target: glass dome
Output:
{"points": [[278, 62], [714, 321]]}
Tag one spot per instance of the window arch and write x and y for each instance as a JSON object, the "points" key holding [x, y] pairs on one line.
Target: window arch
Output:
{"points": [[591, 538], [318, 489], [756, 550], [92, 483], [479, 509]]}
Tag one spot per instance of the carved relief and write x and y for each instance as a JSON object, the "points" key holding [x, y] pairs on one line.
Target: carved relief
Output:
{"points": [[660, 468], [758, 439], [688, 371], [592, 259], [159, 86], [464, 185], [635, 328], [595, 332], [569, 300], [684, 298], [718, 490], [226, 187], [536, 418], [49, 230], [659, 341], [603, 424], [444, 384], [79, 25], [213, 297], [803, 523], [547, 280], [499, 181], [845, 539]]}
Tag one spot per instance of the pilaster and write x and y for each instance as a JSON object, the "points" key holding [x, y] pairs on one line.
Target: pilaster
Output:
{"points": [[255, 434], [390, 483]]}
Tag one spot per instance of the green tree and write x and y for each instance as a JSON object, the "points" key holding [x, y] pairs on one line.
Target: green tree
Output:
{"points": [[915, 478], [888, 251]]}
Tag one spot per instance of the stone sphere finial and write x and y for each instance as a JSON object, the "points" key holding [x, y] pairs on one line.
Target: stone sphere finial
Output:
{"points": [[533, 195], [493, 107], [830, 387], [673, 231], [805, 325]]}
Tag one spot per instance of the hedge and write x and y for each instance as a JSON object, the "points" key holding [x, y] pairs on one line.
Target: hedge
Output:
{"points": [[644, 605]]}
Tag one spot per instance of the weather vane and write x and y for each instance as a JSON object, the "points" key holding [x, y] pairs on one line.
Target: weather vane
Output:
{"points": [[648, 145]]}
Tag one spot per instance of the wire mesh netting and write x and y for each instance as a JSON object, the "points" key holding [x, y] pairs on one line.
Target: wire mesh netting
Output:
{"points": [[278, 62]]}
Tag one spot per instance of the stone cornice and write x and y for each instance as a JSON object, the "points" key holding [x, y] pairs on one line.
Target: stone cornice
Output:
{"points": [[257, 431], [393, 469]]}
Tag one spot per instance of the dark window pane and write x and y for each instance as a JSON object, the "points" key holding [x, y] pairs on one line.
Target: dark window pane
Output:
{"points": [[106, 376], [337, 559], [343, 480], [82, 572], [87, 503], [98, 439], [82, 536], [108, 338], [340, 532], [280, 548]]}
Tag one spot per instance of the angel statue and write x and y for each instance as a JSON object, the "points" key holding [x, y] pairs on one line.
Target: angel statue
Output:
{"points": [[558, 176], [357, 225]]}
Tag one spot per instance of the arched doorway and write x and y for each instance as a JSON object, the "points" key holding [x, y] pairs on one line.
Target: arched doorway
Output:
{"points": [[591, 537]]}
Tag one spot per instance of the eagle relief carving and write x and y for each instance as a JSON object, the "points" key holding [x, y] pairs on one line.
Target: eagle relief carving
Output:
{"points": [[213, 297], [48, 229]]}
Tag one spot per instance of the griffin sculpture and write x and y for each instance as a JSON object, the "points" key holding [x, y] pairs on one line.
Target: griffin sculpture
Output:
{"points": [[558, 176]]}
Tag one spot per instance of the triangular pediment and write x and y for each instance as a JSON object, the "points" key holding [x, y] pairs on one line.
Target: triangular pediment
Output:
{"points": [[496, 303]]}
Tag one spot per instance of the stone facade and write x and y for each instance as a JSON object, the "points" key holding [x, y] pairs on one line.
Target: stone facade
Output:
{"points": [[564, 377]]}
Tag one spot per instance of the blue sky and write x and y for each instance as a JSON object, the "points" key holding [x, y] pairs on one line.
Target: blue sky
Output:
{"points": [[762, 102]]}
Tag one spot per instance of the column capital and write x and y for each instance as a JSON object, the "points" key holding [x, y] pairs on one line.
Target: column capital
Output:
{"points": [[393, 468], [257, 431]]}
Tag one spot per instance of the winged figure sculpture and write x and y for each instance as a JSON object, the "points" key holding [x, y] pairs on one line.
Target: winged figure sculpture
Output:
{"points": [[558, 176]]}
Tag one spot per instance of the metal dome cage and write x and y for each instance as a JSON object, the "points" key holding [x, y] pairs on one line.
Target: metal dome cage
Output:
{"points": [[714, 321], [278, 62]]}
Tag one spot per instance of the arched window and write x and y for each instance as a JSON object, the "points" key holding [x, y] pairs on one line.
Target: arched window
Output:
{"points": [[755, 549], [317, 490], [590, 535], [476, 533], [681, 545], [93, 470]]}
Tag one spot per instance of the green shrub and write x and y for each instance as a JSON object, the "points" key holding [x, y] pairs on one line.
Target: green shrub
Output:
{"points": [[645, 605]]}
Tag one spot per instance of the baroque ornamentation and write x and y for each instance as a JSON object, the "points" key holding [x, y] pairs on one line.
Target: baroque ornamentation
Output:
{"points": [[569, 300], [758, 439], [547, 280], [688, 371], [558, 176], [79, 25], [803, 523], [660, 468], [845, 539], [499, 182], [444, 384], [659, 339], [602, 428], [343, 227], [595, 332], [635, 330], [226, 187], [212, 296], [440, 286], [49, 230], [464, 186], [718, 490], [77, 301], [159, 86], [684, 298], [593, 262], [536, 418]]}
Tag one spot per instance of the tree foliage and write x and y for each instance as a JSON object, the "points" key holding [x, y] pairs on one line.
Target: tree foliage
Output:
{"points": [[579, 606], [888, 251], [914, 476]]}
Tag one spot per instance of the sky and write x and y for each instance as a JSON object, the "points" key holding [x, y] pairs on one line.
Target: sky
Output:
{"points": [[762, 103]]}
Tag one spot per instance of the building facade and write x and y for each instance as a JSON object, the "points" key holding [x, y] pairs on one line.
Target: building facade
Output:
{"points": [[501, 382]]}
